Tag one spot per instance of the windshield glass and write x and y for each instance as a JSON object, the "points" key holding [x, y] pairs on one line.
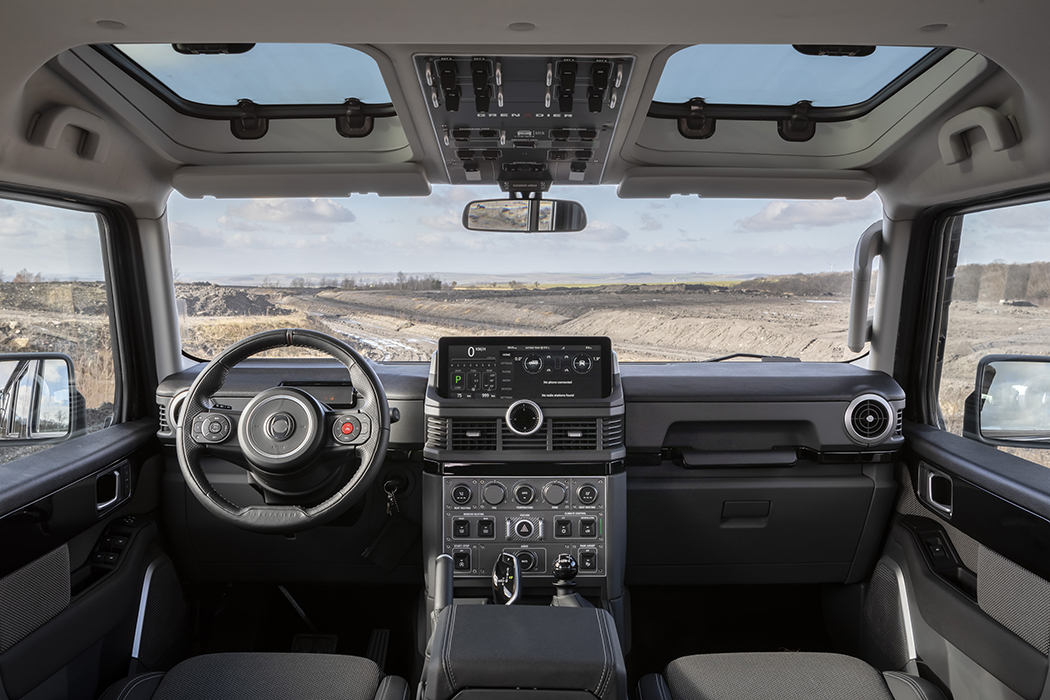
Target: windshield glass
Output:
{"points": [[780, 75], [677, 279]]}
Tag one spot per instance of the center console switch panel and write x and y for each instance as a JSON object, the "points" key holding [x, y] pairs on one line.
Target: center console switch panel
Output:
{"points": [[498, 118], [518, 647], [534, 518]]}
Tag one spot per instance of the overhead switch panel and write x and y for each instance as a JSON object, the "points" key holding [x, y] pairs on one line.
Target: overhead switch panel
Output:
{"points": [[527, 121]]}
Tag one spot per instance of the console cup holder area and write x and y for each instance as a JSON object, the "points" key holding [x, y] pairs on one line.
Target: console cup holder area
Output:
{"points": [[524, 652]]}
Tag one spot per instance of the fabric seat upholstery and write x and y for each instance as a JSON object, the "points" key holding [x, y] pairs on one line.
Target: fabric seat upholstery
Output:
{"points": [[264, 676], [781, 676]]}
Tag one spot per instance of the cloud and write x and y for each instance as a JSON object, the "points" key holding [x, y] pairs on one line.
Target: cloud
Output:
{"points": [[190, 235], [6, 209], [650, 222], [601, 232], [448, 220], [288, 211], [447, 197], [786, 216]]}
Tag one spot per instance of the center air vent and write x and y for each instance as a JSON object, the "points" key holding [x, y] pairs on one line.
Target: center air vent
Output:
{"points": [[473, 435], [870, 419]]}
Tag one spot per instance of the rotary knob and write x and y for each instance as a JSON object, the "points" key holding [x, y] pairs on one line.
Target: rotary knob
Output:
{"points": [[524, 417], [494, 494], [554, 493]]}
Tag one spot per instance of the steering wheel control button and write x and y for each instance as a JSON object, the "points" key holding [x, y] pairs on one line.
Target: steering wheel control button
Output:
{"points": [[524, 417], [554, 493], [588, 527], [210, 428], [460, 528], [563, 528], [532, 364], [461, 494], [486, 528], [588, 494], [351, 429], [280, 426], [588, 560], [494, 494], [524, 494]]}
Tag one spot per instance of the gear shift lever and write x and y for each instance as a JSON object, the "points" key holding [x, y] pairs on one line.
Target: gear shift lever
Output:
{"points": [[565, 570], [506, 579]]}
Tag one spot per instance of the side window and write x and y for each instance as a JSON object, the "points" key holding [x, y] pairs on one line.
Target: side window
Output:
{"points": [[1000, 302], [53, 299]]}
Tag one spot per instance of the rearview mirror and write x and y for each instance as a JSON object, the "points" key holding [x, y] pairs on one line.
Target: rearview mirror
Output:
{"points": [[1011, 405], [38, 398], [525, 216]]}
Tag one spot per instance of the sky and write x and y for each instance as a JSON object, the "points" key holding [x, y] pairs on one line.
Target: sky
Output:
{"points": [[418, 235]]}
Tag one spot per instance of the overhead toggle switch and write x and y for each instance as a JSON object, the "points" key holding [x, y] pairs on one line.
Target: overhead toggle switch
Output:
{"points": [[566, 85], [447, 75], [600, 75], [480, 70], [595, 97]]}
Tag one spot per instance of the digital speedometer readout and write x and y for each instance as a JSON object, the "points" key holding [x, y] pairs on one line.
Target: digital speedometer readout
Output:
{"points": [[493, 370]]}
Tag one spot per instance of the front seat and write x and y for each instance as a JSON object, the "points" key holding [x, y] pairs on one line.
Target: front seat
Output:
{"points": [[781, 676], [264, 676]]}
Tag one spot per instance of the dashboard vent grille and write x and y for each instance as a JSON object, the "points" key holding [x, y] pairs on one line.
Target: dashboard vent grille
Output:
{"points": [[163, 413], [473, 435], [574, 435], [612, 433], [870, 419], [536, 441], [437, 433], [900, 422]]}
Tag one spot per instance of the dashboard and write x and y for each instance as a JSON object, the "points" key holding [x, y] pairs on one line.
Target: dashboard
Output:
{"points": [[669, 473]]}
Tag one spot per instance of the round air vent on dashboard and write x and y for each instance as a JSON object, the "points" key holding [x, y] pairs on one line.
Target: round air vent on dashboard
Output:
{"points": [[869, 419], [175, 409]]}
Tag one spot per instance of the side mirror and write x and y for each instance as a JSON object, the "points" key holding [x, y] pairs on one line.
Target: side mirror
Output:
{"points": [[1011, 405], [525, 216], [38, 399]]}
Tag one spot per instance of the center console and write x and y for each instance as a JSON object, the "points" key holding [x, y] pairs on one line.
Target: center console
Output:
{"points": [[524, 455]]}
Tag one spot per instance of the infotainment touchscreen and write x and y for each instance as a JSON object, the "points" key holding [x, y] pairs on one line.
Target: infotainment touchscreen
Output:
{"points": [[512, 368]]}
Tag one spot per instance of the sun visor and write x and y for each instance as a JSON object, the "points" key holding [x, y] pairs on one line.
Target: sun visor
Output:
{"points": [[745, 183], [259, 181]]}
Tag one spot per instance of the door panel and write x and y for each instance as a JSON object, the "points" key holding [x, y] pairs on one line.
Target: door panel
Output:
{"points": [[979, 616], [72, 572]]}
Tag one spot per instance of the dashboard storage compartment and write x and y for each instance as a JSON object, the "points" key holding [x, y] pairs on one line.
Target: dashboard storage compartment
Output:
{"points": [[525, 652], [806, 524]]}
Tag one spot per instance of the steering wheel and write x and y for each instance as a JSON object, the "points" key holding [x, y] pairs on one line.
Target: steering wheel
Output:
{"points": [[298, 451]]}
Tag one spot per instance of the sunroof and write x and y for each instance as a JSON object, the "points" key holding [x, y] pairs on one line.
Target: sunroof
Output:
{"points": [[266, 74], [782, 74]]}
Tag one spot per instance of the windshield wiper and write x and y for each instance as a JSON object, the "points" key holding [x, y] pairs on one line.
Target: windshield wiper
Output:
{"points": [[761, 358]]}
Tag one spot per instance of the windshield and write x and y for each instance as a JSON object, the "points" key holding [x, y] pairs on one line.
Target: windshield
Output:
{"points": [[678, 279]]}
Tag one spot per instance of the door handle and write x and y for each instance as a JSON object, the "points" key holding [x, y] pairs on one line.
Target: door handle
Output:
{"points": [[935, 489]]}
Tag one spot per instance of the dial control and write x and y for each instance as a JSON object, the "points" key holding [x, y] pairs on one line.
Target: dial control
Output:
{"points": [[524, 417], [588, 494], [494, 494], [532, 364], [524, 494], [554, 493], [461, 494]]}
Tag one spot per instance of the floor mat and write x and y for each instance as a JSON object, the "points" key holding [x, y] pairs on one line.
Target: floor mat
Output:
{"points": [[259, 618]]}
